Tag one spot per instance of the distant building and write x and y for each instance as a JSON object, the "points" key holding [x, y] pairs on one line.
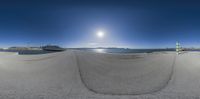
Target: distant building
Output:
{"points": [[17, 48], [23, 48]]}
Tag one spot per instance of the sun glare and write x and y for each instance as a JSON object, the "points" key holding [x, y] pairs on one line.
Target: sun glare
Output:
{"points": [[99, 50], [100, 34]]}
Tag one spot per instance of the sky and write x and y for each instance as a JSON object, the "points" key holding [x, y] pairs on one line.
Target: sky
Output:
{"points": [[75, 23]]}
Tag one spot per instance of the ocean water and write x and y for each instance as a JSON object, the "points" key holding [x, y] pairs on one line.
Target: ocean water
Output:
{"points": [[123, 50], [97, 50], [32, 52]]}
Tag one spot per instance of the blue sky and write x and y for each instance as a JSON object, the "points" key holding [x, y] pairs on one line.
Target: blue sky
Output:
{"points": [[126, 23]]}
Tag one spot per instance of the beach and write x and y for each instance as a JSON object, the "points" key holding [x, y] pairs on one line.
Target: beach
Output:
{"points": [[76, 74]]}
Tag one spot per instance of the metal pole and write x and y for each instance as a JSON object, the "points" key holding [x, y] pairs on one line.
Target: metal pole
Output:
{"points": [[177, 47]]}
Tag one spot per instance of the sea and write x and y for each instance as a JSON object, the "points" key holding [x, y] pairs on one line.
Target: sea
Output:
{"points": [[97, 50], [124, 50]]}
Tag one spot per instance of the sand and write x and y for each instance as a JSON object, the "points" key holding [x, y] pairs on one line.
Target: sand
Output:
{"points": [[86, 75]]}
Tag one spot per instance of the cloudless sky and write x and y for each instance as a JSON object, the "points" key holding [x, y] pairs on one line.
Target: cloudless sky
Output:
{"points": [[126, 23]]}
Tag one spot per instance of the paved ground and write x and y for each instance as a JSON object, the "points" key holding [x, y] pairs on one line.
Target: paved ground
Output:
{"points": [[186, 77], [58, 76], [125, 74]]}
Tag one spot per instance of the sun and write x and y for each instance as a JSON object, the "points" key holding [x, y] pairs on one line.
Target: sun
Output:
{"points": [[100, 34]]}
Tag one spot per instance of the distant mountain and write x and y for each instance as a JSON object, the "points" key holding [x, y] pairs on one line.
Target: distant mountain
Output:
{"points": [[52, 48]]}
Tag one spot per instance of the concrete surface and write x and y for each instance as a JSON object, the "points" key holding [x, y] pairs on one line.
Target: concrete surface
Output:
{"points": [[82, 75]]}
